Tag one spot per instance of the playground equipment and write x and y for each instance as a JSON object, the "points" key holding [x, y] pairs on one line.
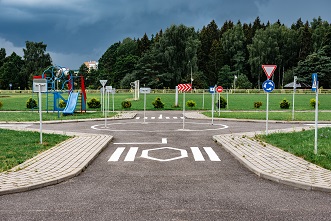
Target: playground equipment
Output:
{"points": [[61, 80]]}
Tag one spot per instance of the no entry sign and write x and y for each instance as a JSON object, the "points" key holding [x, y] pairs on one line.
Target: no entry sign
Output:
{"points": [[219, 89]]}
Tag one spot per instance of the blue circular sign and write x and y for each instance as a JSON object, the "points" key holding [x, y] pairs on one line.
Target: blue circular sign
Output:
{"points": [[268, 86]]}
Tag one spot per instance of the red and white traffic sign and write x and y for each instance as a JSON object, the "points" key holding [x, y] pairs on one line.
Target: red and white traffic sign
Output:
{"points": [[219, 89], [184, 87], [269, 69]]}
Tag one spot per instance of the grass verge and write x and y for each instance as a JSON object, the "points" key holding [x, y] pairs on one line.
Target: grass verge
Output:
{"points": [[301, 144], [19, 146]]}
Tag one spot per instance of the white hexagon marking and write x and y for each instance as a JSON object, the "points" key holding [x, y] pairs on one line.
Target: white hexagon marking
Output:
{"points": [[183, 154]]}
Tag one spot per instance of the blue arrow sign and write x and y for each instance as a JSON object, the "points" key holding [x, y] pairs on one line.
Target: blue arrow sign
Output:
{"points": [[314, 82], [268, 86]]}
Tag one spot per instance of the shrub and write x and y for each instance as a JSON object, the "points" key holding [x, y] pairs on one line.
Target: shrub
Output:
{"points": [[62, 104], [94, 103], [257, 104], [1, 104], [157, 103], [313, 103], [126, 104], [190, 103], [31, 103], [223, 102], [284, 104]]}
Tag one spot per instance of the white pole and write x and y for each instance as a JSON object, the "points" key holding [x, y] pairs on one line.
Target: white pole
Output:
{"points": [[183, 110], [212, 108], [267, 114], [106, 109], [113, 100], [294, 89], [219, 104], [40, 116], [227, 99], [176, 97], [316, 119], [203, 99], [144, 106]]}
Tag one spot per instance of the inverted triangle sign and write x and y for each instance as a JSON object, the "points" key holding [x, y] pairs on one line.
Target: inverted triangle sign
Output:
{"points": [[269, 69]]}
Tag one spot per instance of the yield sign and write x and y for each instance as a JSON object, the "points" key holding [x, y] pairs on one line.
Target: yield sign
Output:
{"points": [[269, 70], [184, 87]]}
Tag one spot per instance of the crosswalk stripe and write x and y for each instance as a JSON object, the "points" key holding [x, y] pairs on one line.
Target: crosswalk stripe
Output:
{"points": [[167, 118], [117, 154], [197, 154], [152, 118], [211, 154], [175, 117], [131, 154]]}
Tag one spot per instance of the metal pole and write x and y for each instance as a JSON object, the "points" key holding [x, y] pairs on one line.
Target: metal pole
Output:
{"points": [[316, 119], [40, 116], [183, 110], [219, 104], [267, 114], [144, 106], [203, 99], [113, 100], [294, 89], [212, 108]]}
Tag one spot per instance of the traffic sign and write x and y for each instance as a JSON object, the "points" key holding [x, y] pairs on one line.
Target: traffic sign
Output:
{"points": [[212, 89], [314, 82], [184, 87], [103, 82], [268, 86], [269, 70], [145, 90], [219, 89]]}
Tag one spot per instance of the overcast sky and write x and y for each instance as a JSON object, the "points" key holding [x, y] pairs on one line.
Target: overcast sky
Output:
{"points": [[80, 30]]}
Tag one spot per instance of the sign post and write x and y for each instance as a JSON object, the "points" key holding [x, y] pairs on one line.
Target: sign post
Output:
{"points": [[268, 86], [212, 91], [103, 83], [145, 90], [294, 89], [219, 90], [40, 85], [108, 90], [315, 88], [184, 88]]}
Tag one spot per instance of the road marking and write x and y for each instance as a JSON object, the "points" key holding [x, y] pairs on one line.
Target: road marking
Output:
{"points": [[163, 141], [211, 153], [175, 117], [197, 154], [131, 154], [117, 154], [167, 118], [160, 117], [182, 153]]}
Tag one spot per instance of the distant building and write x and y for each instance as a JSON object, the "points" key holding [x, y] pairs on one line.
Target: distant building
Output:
{"points": [[92, 65]]}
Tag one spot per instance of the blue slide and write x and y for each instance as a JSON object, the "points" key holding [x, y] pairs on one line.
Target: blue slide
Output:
{"points": [[71, 103]]}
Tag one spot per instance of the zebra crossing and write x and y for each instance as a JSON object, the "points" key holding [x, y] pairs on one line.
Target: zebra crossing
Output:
{"points": [[130, 154], [160, 117]]}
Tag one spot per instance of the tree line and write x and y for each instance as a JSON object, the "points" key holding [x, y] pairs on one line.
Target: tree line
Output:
{"points": [[227, 56]]}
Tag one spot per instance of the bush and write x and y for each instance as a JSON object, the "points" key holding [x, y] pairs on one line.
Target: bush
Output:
{"points": [[62, 104], [31, 103], [126, 104], [157, 103], [1, 104], [284, 104], [313, 103], [257, 104], [94, 103], [190, 103], [222, 104]]}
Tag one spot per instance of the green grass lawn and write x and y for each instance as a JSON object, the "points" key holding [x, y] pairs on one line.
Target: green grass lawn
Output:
{"points": [[301, 144], [19, 146], [17, 102]]}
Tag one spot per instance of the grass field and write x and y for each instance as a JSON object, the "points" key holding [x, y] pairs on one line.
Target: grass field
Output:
{"points": [[301, 144], [17, 102], [19, 146]]}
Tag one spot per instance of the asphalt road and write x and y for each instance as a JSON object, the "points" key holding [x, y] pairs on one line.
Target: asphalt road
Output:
{"points": [[162, 169]]}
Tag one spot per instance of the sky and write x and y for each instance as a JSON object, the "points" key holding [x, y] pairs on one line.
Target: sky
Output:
{"points": [[76, 31]]}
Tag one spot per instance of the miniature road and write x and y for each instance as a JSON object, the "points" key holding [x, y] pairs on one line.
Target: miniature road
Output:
{"points": [[162, 169]]}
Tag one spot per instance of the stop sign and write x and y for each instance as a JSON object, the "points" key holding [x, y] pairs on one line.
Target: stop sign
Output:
{"points": [[219, 89]]}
